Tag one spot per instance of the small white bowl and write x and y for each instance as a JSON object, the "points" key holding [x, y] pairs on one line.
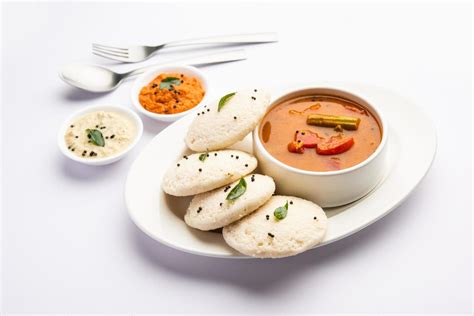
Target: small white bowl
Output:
{"points": [[100, 161], [328, 188], [145, 78]]}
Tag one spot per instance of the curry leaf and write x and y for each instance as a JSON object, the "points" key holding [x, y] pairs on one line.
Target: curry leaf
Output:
{"points": [[169, 82], [224, 100], [96, 137], [281, 212], [237, 191]]}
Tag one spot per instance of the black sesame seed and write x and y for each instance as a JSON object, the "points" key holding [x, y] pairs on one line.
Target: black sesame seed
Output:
{"points": [[271, 235], [112, 136], [200, 170], [268, 217]]}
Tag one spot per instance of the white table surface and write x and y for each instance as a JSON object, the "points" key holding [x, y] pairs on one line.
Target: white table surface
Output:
{"points": [[68, 244]]}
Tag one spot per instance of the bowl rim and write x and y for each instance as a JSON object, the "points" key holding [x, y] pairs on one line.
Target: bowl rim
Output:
{"points": [[93, 108], [285, 93], [137, 85]]}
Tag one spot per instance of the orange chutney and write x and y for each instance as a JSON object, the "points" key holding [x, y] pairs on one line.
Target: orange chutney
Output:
{"points": [[286, 121], [171, 93]]}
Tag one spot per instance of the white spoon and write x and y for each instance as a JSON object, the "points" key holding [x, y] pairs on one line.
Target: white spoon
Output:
{"points": [[100, 79]]}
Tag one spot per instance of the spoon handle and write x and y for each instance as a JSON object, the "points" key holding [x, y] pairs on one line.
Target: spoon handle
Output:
{"points": [[222, 57]]}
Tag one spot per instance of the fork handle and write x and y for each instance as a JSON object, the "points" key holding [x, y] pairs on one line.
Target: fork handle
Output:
{"points": [[222, 57], [227, 39]]}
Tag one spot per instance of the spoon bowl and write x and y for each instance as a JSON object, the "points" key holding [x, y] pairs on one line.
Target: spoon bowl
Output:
{"points": [[90, 77]]}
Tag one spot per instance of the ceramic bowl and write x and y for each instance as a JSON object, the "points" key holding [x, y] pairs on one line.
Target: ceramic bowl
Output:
{"points": [[145, 78], [330, 188], [107, 160]]}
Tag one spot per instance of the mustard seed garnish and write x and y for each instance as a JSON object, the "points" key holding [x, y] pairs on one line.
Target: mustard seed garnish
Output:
{"points": [[200, 170], [199, 209], [231, 156], [97, 126], [203, 112], [199, 114], [76, 136], [236, 157], [106, 137], [268, 217], [207, 155], [112, 136], [315, 218], [208, 110], [254, 98], [291, 202], [185, 157], [177, 165], [271, 235], [220, 204], [72, 126], [215, 154], [246, 165], [235, 117], [255, 90], [73, 149]]}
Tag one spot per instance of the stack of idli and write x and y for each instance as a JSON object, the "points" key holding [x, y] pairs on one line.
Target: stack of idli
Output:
{"points": [[228, 195]]}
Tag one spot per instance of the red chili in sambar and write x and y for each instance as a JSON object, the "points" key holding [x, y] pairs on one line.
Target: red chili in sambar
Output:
{"points": [[320, 133]]}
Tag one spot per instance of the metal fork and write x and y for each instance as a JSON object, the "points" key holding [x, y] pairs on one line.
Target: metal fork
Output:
{"points": [[132, 54]]}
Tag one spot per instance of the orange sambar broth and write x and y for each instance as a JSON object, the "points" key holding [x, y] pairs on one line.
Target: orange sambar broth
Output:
{"points": [[169, 101], [283, 120]]}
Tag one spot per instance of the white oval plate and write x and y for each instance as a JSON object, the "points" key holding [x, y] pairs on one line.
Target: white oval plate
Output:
{"points": [[412, 147]]}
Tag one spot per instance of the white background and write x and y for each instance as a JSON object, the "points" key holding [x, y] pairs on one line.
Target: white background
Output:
{"points": [[68, 244]]}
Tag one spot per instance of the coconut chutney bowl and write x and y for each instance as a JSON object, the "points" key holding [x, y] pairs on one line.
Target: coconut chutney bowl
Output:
{"points": [[323, 144], [99, 134]]}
